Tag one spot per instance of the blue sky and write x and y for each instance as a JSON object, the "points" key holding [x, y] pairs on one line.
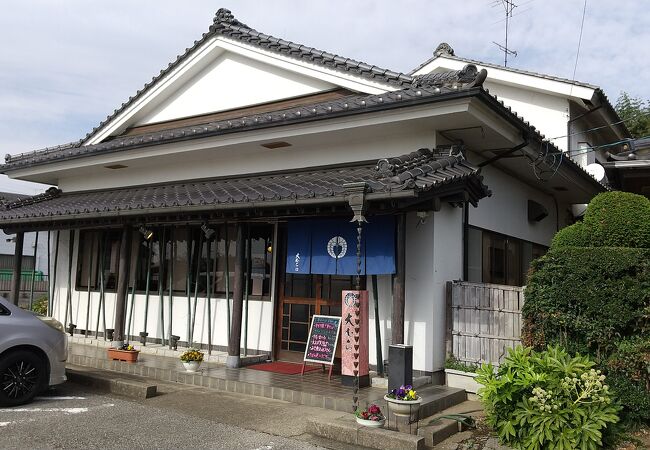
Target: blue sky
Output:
{"points": [[66, 65]]}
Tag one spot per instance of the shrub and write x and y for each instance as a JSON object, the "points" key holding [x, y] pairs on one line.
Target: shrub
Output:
{"points": [[547, 399], [455, 364], [618, 219], [595, 301], [571, 236], [40, 305]]}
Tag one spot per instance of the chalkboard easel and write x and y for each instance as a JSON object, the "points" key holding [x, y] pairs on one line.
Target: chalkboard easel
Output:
{"points": [[321, 342]]}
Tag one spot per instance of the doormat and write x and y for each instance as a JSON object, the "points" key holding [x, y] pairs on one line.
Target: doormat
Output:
{"points": [[285, 368]]}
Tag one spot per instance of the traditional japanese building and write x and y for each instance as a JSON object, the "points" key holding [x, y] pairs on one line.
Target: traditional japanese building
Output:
{"points": [[215, 204]]}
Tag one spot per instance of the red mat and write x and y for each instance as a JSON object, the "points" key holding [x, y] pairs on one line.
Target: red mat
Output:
{"points": [[285, 368]]}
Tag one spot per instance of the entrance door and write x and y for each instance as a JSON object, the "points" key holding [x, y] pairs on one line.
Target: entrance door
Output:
{"points": [[302, 296]]}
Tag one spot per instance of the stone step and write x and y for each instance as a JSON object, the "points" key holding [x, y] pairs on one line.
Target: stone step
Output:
{"points": [[438, 398], [435, 429], [382, 382]]}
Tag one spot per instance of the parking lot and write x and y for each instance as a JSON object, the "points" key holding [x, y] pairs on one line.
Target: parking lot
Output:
{"points": [[73, 416]]}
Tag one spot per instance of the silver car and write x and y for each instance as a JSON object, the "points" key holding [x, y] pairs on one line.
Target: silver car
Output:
{"points": [[33, 351]]}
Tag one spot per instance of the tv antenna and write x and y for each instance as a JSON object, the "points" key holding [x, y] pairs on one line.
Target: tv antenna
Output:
{"points": [[508, 6]]}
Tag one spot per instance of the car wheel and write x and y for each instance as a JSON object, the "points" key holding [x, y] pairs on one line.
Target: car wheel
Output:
{"points": [[22, 376]]}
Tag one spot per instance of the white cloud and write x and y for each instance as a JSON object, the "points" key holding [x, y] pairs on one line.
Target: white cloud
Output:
{"points": [[69, 64]]}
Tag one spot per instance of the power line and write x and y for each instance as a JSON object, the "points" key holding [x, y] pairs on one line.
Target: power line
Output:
{"points": [[582, 24], [601, 127]]}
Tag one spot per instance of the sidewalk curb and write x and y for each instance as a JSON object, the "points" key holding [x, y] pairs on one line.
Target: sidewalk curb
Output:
{"points": [[119, 386], [345, 429]]}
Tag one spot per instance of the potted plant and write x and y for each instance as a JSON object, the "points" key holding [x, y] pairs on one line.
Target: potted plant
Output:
{"points": [[192, 359], [404, 401], [126, 352], [370, 417], [461, 375]]}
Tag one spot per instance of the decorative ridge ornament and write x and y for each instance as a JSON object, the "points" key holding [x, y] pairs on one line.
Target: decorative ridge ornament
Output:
{"points": [[468, 76], [224, 15], [444, 49]]}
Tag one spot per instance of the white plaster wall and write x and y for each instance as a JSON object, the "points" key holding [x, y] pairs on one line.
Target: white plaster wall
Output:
{"points": [[447, 266], [548, 113], [254, 159], [506, 211], [385, 300], [233, 81]]}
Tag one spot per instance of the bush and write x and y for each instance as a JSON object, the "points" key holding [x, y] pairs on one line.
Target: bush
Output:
{"points": [[571, 236], [595, 301], [547, 399], [40, 305], [618, 219]]}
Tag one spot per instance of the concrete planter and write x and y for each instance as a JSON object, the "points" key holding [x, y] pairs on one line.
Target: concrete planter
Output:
{"points": [[403, 407], [191, 366], [123, 355], [462, 380]]}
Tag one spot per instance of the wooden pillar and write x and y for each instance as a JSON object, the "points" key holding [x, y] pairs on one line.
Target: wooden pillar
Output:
{"points": [[18, 265], [399, 284], [234, 344], [122, 285]]}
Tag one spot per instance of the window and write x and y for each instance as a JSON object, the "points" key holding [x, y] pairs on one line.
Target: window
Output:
{"points": [[499, 259], [4, 311], [99, 253], [180, 257]]}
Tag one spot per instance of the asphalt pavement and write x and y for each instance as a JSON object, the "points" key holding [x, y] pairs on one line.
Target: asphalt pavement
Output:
{"points": [[74, 417]]}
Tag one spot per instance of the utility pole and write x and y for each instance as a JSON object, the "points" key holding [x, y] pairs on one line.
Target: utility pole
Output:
{"points": [[508, 6]]}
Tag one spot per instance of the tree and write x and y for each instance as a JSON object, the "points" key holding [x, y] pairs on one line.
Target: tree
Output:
{"points": [[636, 114]]}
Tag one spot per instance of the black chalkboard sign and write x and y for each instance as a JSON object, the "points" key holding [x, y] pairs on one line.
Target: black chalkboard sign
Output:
{"points": [[323, 337]]}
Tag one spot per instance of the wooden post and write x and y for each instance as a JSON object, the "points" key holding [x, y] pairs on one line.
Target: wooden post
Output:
{"points": [[68, 302], [449, 319], [380, 357], [18, 265], [31, 287], [122, 286], [399, 285], [52, 275], [234, 345]]}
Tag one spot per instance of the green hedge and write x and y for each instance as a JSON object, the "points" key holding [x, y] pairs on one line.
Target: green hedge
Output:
{"points": [[596, 301], [612, 219]]}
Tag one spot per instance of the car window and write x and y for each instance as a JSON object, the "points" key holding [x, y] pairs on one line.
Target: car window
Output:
{"points": [[4, 311]]}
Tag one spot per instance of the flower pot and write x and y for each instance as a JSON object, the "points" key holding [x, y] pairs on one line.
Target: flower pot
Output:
{"points": [[123, 355], [371, 423], [463, 380], [191, 366], [403, 407]]}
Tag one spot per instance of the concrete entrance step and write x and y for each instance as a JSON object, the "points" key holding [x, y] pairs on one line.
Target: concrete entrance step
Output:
{"points": [[437, 398], [437, 428]]}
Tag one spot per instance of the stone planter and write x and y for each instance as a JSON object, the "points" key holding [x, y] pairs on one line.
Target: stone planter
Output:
{"points": [[371, 423], [403, 407], [462, 380], [123, 355], [191, 366]]}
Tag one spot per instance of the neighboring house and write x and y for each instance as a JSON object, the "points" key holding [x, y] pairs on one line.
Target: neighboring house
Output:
{"points": [[574, 116], [266, 147], [7, 246], [628, 167]]}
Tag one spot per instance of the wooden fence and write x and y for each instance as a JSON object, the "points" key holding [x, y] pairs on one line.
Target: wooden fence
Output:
{"points": [[483, 320]]}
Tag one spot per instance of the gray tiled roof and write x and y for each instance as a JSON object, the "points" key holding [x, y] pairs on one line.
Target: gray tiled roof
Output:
{"points": [[225, 24], [417, 172], [429, 89], [445, 51]]}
